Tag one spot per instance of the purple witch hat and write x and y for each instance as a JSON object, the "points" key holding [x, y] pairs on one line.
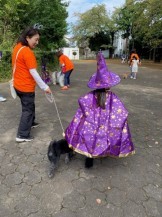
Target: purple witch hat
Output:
{"points": [[103, 78]]}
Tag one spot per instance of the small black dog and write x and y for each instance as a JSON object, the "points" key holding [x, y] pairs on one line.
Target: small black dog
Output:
{"points": [[55, 149]]}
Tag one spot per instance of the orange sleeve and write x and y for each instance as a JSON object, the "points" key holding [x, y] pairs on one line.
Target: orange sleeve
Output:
{"points": [[61, 60]]}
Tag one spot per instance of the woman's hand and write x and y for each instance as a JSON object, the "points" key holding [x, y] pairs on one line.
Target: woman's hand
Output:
{"points": [[48, 90]]}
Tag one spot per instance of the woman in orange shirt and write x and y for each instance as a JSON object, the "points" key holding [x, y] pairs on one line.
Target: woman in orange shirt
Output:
{"points": [[67, 67], [25, 78]]}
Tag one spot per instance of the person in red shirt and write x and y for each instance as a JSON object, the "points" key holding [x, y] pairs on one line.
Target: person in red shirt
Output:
{"points": [[67, 67], [25, 78]]}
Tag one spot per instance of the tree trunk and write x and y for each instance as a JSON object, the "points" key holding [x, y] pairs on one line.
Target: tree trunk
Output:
{"points": [[150, 52], [154, 53]]}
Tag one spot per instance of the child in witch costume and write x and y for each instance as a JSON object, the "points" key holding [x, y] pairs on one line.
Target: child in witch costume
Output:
{"points": [[99, 127]]}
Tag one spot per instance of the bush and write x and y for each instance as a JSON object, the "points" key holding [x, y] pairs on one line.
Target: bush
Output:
{"points": [[47, 58], [6, 67]]}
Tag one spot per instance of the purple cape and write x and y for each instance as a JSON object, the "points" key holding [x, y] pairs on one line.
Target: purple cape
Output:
{"points": [[96, 132]]}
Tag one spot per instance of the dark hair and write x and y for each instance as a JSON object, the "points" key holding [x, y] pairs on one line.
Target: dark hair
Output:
{"points": [[59, 53], [101, 97], [28, 32], [133, 51], [134, 57]]}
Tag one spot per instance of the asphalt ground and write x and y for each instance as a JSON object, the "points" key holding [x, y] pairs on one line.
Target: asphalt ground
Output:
{"points": [[125, 187]]}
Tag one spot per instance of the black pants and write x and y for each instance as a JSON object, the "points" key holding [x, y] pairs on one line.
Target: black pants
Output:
{"points": [[28, 113]]}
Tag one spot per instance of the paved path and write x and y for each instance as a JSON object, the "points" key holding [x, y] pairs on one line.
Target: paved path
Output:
{"points": [[127, 187]]}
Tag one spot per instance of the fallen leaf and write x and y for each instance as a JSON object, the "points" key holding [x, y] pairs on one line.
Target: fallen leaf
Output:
{"points": [[98, 201]]}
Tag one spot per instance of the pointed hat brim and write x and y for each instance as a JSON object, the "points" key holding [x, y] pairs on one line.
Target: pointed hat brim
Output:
{"points": [[107, 81]]}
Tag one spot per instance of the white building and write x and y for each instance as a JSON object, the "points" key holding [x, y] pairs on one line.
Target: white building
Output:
{"points": [[106, 53], [119, 44], [71, 52]]}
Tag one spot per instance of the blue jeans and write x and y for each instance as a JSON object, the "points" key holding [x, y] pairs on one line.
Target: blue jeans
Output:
{"points": [[67, 77], [131, 73]]}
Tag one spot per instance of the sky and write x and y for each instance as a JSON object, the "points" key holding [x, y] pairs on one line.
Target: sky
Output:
{"points": [[80, 6]]}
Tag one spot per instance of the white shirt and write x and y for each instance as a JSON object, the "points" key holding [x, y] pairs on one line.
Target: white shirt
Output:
{"points": [[38, 79], [135, 65]]}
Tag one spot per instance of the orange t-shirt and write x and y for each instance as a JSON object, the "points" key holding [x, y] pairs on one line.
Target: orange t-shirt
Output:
{"points": [[134, 54], [63, 59], [23, 80]]}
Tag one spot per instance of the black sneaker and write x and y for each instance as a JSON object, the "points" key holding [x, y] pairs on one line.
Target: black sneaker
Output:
{"points": [[22, 139], [35, 124]]}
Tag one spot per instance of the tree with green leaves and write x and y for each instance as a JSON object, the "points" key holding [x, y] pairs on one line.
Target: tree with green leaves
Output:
{"points": [[141, 23], [9, 17], [124, 18], [99, 40], [51, 15], [94, 28], [148, 25]]}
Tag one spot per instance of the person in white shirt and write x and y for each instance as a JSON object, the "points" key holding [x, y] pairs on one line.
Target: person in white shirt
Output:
{"points": [[134, 65]]}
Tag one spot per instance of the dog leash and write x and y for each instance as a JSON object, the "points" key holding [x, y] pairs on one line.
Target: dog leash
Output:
{"points": [[51, 99]]}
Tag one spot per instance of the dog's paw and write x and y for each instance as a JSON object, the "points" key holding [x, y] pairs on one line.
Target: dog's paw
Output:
{"points": [[88, 163], [51, 171], [67, 159], [50, 174]]}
